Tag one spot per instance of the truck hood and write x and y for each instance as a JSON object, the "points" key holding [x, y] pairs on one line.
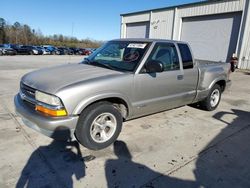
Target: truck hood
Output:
{"points": [[53, 79]]}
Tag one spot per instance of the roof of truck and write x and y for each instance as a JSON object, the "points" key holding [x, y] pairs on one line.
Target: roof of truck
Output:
{"points": [[146, 40]]}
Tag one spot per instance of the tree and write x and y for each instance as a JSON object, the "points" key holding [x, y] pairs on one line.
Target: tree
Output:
{"points": [[23, 34], [16, 31], [2, 30]]}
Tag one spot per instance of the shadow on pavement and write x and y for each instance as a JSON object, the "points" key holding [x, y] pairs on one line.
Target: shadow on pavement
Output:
{"points": [[123, 172], [54, 165], [224, 162]]}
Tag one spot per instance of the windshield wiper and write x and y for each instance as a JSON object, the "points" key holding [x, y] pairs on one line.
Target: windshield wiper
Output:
{"points": [[102, 65], [98, 64]]}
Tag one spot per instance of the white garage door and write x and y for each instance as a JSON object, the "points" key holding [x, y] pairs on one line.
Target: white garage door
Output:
{"points": [[138, 30], [212, 37]]}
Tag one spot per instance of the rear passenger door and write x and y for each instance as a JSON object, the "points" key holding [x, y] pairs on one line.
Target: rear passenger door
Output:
{"points": [[160, 91]]}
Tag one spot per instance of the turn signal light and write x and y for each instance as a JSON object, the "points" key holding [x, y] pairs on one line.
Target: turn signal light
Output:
{"points": [[50, 112]]}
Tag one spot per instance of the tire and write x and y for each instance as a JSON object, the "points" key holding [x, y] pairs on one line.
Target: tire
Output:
{"points": [[1, 53], [31, 53], [91, 130], [213, 99]]}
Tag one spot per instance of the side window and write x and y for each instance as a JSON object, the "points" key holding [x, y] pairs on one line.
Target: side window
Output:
{"points": [[186, 56], [167, 54]]}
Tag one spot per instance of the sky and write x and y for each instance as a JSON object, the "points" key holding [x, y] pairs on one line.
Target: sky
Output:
{"points": [[96, 19]]}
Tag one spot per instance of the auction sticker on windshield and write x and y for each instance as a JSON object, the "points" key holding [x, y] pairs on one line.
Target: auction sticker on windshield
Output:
{"points": [[137, 45]]}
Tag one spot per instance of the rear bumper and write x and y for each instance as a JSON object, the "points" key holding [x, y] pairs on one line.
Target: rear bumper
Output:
{"points": [[55, 127]]}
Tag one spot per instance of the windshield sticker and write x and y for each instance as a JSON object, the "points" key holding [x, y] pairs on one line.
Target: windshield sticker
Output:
{"points": [[132, 56], [137, 45]]}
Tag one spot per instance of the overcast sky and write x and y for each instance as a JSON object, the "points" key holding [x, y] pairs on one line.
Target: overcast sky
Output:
{"points": [[96, 19]]}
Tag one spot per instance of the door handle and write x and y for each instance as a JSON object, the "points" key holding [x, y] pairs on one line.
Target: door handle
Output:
{"points": [[180, 77]]}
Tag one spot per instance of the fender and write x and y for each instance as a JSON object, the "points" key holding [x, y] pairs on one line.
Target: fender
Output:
{"points": [[221, 78], [102, 96]]}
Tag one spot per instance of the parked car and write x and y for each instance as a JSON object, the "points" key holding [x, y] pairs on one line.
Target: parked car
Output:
{"points": [[81, 51], [24, 49], [51, 49], [65, 51], [32, 50], [75, 51], [87, 51], [7, 51], [97, 95], [19, 49], [45, 51]]}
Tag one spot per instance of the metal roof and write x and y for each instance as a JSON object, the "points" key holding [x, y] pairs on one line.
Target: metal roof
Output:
{"points": [[203, 2]]}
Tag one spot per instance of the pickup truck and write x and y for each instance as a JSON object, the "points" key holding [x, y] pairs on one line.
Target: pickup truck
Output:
{"points": [[122, 80]]}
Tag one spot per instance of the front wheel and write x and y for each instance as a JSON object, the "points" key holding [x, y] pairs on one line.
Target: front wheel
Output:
{"points": [[211, 102], [99, 126]]}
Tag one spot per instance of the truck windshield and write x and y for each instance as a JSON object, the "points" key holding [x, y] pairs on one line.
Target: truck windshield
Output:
{"points": [[118, 55]]}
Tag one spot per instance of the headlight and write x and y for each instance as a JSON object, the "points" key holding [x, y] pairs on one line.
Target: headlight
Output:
{"points": [[47, 99], [50, 100]]}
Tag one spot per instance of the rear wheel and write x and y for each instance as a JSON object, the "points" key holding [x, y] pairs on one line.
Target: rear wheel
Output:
{"points": [[213, 99], [1, 53], [99, 126]]}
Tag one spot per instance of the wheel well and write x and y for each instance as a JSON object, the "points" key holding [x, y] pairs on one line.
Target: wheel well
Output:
{"points": [[118, 103], [222, 84]]}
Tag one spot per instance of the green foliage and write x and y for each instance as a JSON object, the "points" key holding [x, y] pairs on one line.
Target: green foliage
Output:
{"points": [[22, 34]]}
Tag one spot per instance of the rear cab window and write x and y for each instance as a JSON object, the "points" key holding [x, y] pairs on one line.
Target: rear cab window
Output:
{"points": [[186, 56]]}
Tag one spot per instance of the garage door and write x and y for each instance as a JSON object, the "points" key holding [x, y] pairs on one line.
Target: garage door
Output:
{"points": [[212, 37], [138, 30]]}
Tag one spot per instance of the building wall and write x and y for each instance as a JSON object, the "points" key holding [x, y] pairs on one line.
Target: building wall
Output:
{"points": [[161, 24], [166, 23], [244, 39], [206, 9]]}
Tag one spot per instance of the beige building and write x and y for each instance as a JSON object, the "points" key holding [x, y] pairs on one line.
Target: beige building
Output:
{"points": [[214, 29]]}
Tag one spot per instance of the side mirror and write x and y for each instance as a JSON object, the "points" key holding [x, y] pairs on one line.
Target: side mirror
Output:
{"points": [[154, 66]]}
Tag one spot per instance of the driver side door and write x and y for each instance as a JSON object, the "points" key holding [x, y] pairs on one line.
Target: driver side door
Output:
{"points": [[154, 92]]}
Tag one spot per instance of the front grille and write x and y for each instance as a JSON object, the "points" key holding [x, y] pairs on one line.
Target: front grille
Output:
{"points": [[28, 91], [29, 104], [28, 95]]}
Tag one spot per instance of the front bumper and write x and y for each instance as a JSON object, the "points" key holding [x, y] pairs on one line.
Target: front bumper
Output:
{"points": [[55, 127]]}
